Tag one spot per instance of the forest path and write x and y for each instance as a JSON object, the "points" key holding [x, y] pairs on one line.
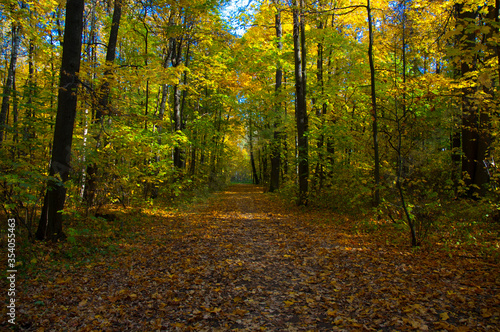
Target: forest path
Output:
{"points": [[254, 269], [245, 262]]}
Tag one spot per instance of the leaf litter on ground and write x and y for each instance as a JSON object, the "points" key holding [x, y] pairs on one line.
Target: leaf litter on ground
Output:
{"points": [[246, 262]]}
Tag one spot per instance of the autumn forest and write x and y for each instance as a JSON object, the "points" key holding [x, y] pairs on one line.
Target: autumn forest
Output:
{"points": [[255, 165]]}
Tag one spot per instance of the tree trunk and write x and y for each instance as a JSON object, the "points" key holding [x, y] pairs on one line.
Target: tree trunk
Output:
{"points": [[276, 142], [176, 61], [399, 119], [376, 174], [50, 225], [475, 118], [299, 50], [255, 175], [164, 93], [103, 98], [9, 84], [321, 113], [29, 131], [497, 46]]}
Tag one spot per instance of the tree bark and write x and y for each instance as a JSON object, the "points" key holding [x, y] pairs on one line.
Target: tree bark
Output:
{"points": [[9, 84], [50, 224], [176, 61], [103, 106], [376, 161], [495, 11], [276, 142], [475, 117], [299, 50], [164, 92], [321, 113], [400, 131], [255, 175]]}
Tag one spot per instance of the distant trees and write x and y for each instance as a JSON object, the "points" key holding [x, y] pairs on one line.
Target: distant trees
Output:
{"points": [[383, 105], [399, 103]]}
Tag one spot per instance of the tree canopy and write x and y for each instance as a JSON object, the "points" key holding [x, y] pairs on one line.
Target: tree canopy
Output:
{"points": [[387, 107]]}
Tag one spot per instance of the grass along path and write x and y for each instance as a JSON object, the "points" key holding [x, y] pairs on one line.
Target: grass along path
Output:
{"points": [[245, 262]]}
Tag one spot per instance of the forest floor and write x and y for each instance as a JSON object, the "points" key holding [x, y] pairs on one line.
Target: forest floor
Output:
{"points": [[244, 261]]}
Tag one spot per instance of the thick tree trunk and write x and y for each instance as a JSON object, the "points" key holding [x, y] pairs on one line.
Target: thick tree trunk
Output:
{"points": [[475, 118], [50, 225], [484, 128], [299, 50]]}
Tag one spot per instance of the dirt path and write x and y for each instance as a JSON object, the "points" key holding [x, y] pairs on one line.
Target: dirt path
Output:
{"points": [[242, 262]]}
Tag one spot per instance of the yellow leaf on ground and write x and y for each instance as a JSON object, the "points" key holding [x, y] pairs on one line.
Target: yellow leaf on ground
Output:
{"points": [[331, 312]]}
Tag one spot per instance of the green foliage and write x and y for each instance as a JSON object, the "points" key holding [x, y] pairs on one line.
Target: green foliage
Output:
{"points": [[21, 190], [227, 89]]}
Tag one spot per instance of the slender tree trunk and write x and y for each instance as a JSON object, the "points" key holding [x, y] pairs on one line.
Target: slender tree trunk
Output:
{"points": [[284, 139], [9, 84], [92, 60], [255, 175], [276, 142], [103, 98], [455, 139], [497, 47], [164, 92], [179, 106], [330, 142], [185, 82], [192, 165], [176, 61], [299, 50], [15, 115], [376, 174], [50, 225], [146, 62], [411, 220], [29, 132], [321, 113]]}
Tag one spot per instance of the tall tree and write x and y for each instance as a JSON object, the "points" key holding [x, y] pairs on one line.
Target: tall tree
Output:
{"points": [[50, 224], [103, 97], [376, 173], [299, 51], [276, 141], [10, 81], [176, 61], [321, 111], [475, 115]]}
